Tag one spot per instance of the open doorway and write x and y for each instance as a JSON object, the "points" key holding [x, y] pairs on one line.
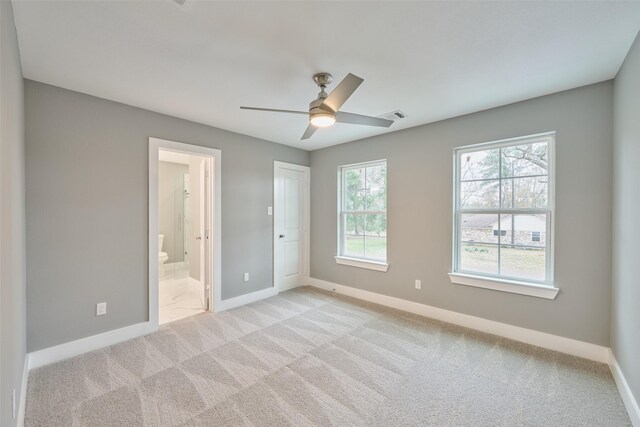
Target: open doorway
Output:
{"points": [[184, 227], [182, 231]]}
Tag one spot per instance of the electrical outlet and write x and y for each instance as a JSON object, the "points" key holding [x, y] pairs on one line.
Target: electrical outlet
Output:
{"points": [[101, 308], [246, 277], [418, 284], [13, 403], [269, 210]]}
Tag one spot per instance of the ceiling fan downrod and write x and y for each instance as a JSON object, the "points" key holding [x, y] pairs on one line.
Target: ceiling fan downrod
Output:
{"points": [[322, 80]]}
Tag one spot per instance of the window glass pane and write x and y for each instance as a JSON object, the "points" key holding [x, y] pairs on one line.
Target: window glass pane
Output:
{"points": [[506, 194], [376, 225], [354, 235], [376, 200], [375, 236], [522, 262], [479, 165], [479, 258], [354, 246], [376, 177], [479, 228], [354, 224], [515, 259], [355, 200], [376, 192], [524, 226], [479, 194], [505, 228], [530, 192], [526, 159], [375, 247], [354, 180]]}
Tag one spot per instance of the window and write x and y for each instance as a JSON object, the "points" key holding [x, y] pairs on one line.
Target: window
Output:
{"points": [[503, 211], [363, 215]]}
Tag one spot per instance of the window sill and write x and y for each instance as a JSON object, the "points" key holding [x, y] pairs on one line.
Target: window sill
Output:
{"points": [[512, 286], [361, 263]]}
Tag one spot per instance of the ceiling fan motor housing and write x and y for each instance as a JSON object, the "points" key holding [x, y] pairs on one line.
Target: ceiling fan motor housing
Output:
{"points": [[321, 116], [316, 106]]}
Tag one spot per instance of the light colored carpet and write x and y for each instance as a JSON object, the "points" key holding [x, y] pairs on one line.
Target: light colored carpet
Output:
{"points": [[308, 357]]}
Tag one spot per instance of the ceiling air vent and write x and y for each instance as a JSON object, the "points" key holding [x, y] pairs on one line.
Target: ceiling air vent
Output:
{"points": [[394, 115]]}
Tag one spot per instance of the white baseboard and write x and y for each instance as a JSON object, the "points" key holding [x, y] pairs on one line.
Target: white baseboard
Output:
{"points": [[230, 303], [22, 403], [582, 349], [74, 348], [64, 351], [629, 400]]}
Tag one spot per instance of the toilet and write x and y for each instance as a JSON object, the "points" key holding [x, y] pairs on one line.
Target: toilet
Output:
{"points": [[162, 257]]}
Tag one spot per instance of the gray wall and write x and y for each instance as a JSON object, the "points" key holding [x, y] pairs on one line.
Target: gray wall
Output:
{"points": [[12, 222], [84, 216], [171, 208], [625, 315], [420, 171]]}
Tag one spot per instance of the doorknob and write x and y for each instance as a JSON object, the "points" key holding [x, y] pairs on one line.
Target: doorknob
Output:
{"points": [[282, 236], [199, 238]]}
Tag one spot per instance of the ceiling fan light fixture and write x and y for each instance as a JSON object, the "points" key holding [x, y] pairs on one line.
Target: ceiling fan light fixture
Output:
{"points": [[323, 120], [324, 111]]}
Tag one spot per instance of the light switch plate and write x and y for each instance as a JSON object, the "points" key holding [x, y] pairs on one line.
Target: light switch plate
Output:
{"points": [[246, 277], [269, 210]]}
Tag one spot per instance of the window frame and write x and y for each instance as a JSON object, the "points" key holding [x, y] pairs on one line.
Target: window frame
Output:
{"points": [[497, 281], [341, 257]]}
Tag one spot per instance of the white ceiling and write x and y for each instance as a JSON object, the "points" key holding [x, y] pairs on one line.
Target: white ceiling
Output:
{"points": [[432, 60]]}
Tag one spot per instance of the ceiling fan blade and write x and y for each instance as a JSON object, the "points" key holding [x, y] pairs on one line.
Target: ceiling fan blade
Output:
{"points": [[342, 92], [359, 119], [310, 130], [274, 110]]}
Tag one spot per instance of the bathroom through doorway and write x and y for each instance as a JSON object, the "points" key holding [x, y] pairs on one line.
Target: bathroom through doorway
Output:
{"points": [[182, 213]]}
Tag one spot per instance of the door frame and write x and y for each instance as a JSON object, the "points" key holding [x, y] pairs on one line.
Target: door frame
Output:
{"points": [[215, 242], [306, 217], [204, 226]]}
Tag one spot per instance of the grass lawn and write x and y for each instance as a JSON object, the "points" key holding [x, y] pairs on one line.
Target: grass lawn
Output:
{"points": [[376, 247], [525, 263]]}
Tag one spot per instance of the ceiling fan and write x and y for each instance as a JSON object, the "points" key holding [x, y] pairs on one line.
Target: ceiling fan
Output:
{"points": [[325, 110]]}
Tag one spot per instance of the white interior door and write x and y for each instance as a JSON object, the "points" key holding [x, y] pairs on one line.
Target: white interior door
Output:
{"points": [[291, 224]]}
